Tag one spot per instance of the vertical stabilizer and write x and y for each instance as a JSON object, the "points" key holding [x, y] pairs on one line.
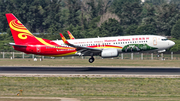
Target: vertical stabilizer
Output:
{"points": [[21, 34]]}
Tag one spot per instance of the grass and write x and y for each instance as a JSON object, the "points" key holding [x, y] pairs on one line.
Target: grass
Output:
{"points": [[8, 99], [84, 62], [92, 89]]}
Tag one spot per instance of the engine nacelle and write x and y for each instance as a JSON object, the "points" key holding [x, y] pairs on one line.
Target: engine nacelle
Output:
{"points": [[108, 53], [161, 51]]}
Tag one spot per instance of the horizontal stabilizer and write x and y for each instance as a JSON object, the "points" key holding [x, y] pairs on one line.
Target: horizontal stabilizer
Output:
{"points": [[13, 44]]}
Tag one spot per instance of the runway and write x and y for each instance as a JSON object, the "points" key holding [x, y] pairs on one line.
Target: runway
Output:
{"points": [[91, 70]]}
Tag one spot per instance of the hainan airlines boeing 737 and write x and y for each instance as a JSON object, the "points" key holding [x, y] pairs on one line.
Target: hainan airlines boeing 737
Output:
{"points": [[106, 47]]}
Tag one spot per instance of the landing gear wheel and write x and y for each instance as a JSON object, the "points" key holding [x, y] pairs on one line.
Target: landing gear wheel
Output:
{"points": [[91, 60]]}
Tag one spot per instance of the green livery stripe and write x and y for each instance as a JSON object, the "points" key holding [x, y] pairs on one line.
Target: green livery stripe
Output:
{"points": [[137, 48]]}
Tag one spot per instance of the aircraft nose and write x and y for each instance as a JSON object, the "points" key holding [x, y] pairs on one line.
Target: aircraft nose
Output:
{"points": [[172, 43]]}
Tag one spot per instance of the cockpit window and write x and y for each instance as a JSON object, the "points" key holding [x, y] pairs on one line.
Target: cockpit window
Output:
{"points": [[164, 39]]}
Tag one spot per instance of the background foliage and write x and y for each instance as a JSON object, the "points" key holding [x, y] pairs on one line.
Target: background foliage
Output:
{"points": [[91, 18]]}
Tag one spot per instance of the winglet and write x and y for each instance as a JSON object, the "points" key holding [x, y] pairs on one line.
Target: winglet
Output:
{"points": [[70, 35], [64, 39]]}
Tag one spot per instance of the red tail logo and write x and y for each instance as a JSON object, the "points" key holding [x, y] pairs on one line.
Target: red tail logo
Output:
{"points": [[22, 35], [18, 27]]}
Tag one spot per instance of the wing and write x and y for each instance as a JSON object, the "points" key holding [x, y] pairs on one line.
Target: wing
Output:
{"points": [[83, 50]]}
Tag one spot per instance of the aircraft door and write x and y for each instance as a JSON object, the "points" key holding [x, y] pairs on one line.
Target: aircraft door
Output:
{"points": [[98, 44], [102, 44], [154, 41], [38, 49]]}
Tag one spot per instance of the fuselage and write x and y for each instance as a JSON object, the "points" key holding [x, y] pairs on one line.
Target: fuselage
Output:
{"points": [[124, 44]]}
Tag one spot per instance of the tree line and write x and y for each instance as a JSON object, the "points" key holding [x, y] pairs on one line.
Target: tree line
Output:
{"points": [[92, 18]]}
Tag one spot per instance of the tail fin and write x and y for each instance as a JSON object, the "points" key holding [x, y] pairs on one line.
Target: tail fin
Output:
{"points": [[20, 33], [70, 35], [22, 36]]}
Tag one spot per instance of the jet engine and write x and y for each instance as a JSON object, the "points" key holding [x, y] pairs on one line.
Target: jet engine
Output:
{"points": [[108, 53], [161, 51]]}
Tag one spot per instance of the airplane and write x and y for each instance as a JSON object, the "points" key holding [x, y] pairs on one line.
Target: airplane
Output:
{"points": [[106, 47]]}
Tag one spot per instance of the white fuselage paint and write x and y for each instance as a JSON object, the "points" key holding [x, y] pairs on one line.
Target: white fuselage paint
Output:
{"points": [[155, 41]]}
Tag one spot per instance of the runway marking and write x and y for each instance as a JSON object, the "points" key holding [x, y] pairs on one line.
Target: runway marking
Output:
{"points": [[90, 75]]}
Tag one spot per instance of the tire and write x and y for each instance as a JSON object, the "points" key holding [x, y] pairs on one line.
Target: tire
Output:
{"points": [[91, 60]]}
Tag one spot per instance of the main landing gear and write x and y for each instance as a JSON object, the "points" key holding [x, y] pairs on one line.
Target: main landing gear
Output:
{"points": [[91, 60]]}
